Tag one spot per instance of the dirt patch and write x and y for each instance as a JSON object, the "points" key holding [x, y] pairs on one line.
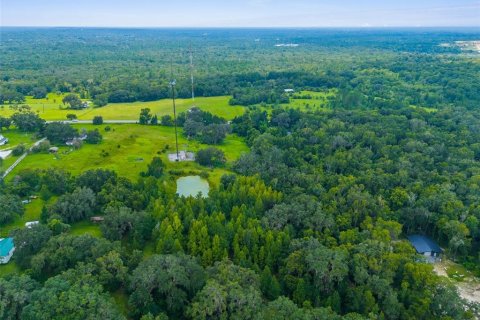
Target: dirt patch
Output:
{"points": [[469, 288], [469, 291]]}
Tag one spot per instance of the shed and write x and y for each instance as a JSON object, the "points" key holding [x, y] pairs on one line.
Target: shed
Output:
{"points": [[425, 246], [97, 219], [53, 150], [30, 224], [6, 249]]}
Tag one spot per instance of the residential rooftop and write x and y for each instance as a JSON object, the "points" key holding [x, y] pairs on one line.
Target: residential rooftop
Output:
{"points": [[424, 244]]}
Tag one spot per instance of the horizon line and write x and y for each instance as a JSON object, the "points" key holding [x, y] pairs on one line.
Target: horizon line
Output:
{"points": [[240, 27]]}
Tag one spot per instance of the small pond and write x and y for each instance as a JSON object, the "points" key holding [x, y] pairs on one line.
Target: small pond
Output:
{"points": [[191, 186]]}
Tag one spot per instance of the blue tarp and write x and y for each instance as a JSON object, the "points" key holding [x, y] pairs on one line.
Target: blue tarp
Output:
{"points": [[424, 244]]}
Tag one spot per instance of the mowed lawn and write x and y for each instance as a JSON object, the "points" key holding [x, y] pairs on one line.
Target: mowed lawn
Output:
{"points": [[51, 108], [16, 137], [128, 149]]}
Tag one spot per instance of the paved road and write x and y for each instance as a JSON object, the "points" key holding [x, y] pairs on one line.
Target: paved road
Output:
{"points": [[20, 159], [90, 121]]}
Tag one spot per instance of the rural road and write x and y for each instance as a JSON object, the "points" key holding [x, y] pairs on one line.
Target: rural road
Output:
{"points": [[90, 121], [20, 158]]}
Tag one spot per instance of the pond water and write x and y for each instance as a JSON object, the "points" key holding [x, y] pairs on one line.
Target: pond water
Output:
{"points": [[191, 186]]}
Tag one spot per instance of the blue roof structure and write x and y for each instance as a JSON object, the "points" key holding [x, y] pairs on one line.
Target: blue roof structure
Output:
{"points": [[424, 244], [6, 245]]}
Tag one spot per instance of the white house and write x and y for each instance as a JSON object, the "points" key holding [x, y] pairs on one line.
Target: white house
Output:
{"points": [[3, 140], [6, 249]]}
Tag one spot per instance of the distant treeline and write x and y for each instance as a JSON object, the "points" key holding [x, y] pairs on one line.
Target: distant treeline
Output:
{"points": [[371, 69]]}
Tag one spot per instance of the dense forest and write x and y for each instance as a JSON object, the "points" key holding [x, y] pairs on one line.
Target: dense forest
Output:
{"points": [[310, 227], [372, 68], [310, 224]]}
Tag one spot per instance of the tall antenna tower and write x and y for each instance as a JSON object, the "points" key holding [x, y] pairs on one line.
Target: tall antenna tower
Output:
{"points": [[191, 73], [173, 82]]}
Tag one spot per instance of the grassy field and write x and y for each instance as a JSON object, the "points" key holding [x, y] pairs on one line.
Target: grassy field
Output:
{"points": [[427, 109], [126, 111], [458, 272], [15, 137], [51, 108], [121, 299], [86, 227], [32, 213], [317, 100], [9, 268], [127, 149]]}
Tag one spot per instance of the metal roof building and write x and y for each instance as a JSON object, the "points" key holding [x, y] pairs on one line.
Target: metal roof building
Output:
{"points": [[6, 249], [425, 246]]}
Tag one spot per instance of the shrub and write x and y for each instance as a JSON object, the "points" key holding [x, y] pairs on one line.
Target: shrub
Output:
{"points": [[19, 150], [42, 147], [94, 137], [155, 168], [97, 120], [211, 157]]}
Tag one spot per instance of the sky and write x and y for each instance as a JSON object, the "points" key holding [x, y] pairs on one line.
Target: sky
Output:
{"points": [[236, 13]]}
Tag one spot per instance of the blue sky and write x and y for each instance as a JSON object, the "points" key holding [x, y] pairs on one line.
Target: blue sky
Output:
{"points": [[235, 13]]}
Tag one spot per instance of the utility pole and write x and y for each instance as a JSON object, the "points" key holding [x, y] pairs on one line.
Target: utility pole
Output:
{"points": [[172, 84]]}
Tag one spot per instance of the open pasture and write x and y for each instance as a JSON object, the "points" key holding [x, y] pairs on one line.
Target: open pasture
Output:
{"points": [[128, 149], [310, 100], [51, 108]]}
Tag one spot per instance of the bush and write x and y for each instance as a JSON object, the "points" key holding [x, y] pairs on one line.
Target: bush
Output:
{"points": [[100, 100], [94, 137], [166, 120], [71, 116], [19, 150], [97, 120], [155, 168], [211, 157], [42, 147]]}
